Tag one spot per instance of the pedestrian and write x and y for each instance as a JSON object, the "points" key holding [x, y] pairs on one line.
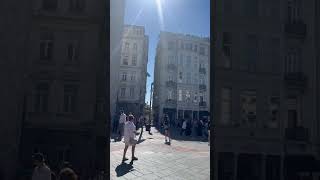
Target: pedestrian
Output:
{"points": [[148, 125], [129, 138], [141, 122], [122, 120], [41, 170], [183, 128], [67, 174], [166, 126]]}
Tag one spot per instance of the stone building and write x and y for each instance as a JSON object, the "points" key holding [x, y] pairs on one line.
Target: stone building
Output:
{"points": [[266, 122], [181, 77], [116, 32], [133, 70], [64, 112]]}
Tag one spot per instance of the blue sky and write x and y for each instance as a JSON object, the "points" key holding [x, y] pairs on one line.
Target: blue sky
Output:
{"points": [[179, 16]]}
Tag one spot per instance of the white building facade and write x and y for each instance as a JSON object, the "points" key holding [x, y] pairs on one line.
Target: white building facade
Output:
{"points": [[117, 8], [133, 70], [181, 82]]}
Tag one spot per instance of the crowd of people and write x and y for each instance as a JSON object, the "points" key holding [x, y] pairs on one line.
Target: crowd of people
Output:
{"points": [[192, 128]]}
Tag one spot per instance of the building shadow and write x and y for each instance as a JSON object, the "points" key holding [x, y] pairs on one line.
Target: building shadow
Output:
{"points": [[175, 135], [123, 169]]}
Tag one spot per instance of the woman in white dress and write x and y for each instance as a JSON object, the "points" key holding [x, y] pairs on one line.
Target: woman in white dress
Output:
{"points": [[129, 138]]}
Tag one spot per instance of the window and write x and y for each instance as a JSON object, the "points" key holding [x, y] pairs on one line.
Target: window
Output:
{"points": [[188, 62], [180, 77], [248, 108], [275, 54], [124, 76], [188, 78], [134, 60], [252, 52], [170, 45], [294, 10], [126, 46], [170, 77], [41, 97], [122, 92], [70, 93], [195, 100], [46, 46], [76, 5], [292, 61], [180, 95], [226, 105], [195, 48], [189, 46], [226, 47], [251, 8], [171, 60], [49, 5], [202, 50], [125, 60], [133, 76], [135, 46], [73, 52], [170, 94], [188, 96], [181, 60], [182, 45], [274, 105], [131, 91]]}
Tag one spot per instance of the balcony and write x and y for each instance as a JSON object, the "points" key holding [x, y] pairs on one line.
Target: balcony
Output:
{"points": [[295, 81], [202, 70], [203, 104], [202, 87], [296, 29], [171, 102], [297, 134], [171, 84], [171, 67]]}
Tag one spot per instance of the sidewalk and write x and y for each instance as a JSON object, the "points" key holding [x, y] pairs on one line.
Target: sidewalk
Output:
{"points": [[181, 160]]}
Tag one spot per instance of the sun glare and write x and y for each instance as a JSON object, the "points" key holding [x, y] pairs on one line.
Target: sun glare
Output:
{"points": [[160, 12]]}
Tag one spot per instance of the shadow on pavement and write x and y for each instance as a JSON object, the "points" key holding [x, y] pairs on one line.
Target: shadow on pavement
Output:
{"points": [[123, 169], [175, 134]]}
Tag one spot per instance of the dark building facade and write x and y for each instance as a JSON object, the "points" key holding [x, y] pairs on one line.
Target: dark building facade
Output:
{"points": [[266, 114], [64, 86]]}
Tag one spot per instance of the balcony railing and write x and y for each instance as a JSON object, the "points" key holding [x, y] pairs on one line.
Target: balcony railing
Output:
{"points": [[295, 80], [171, 102], [202, 70], [202, 87], [297, 134], [171, 67], [171, 84], [203, 104], [296, 29]]}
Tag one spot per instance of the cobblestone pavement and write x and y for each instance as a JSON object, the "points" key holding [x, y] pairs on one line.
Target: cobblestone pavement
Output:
{"points": [[156, 160]]}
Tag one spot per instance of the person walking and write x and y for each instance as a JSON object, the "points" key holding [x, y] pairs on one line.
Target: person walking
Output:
{"points": [[183, 128], [129, 138], [122, 120], [166, 126], [41, 170]]}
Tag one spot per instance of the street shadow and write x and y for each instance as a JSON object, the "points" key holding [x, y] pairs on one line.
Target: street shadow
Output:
{"points": [[175, 135], [123, 169]]}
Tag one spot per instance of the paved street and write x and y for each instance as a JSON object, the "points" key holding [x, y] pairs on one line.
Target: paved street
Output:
{"points": [[181, 160]]}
